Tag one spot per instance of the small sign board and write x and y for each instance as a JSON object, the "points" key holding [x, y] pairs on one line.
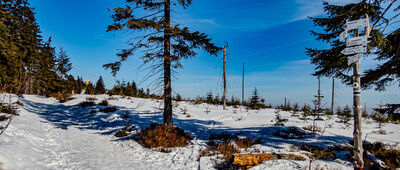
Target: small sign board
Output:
{"points": [[356, 24], [354, 50], [343, 35], [353, 59], [355, 41]]}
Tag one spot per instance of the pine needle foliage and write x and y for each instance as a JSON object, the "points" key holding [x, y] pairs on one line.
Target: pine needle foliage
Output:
{"points": [[29, 64], [384, 45], [162, 45]]}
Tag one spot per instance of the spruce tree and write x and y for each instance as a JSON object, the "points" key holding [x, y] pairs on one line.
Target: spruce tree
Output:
{"points": [[27, 63], [385, 43], [209, 98], [64, 64], [100, 89], [305, 112], [163, 44], [134, 89], [47, 79], [254, 100], [345, 115], [8, 63]]}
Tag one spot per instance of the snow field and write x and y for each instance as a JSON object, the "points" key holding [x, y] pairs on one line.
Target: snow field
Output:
{"points": [[52, 135]]}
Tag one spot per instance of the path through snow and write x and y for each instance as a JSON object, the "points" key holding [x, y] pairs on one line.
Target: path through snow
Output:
{"points": [[32, 141]]}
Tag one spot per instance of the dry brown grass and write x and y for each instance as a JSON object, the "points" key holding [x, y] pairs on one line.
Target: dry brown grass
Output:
{"points": [[318, 153], [103, 103], [91, 98], [158, 135], [61, 97], [385, 152], [86, 104], [3, 118], [226, 148], [244, 142], [112, 98], [8, 109], [124, 132]]}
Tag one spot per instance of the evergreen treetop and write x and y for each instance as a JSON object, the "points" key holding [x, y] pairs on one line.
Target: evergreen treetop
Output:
{"points": [[100, 88], [384, 45]]}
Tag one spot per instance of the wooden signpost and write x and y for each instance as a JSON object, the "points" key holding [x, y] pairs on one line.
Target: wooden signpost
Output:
{"points": [[356, 45]]}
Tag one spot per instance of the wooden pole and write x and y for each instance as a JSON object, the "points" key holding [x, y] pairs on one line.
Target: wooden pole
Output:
{"points": [[243, 86], [357, 108], [285, 103], [318, 109], [333, 95], [224, 97]]}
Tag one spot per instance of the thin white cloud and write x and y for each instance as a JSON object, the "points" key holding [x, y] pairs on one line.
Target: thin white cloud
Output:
{"points": [[312, 8]]}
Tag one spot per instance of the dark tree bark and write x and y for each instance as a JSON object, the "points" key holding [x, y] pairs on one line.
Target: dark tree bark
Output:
{"points": [[167, 66]]}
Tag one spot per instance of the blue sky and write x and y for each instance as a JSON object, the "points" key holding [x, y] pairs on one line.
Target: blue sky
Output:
{"points": [[269, 36]]}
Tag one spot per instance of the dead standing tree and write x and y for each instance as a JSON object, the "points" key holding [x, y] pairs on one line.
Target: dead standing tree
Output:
{"points": [[162, 45], [224, 76]]}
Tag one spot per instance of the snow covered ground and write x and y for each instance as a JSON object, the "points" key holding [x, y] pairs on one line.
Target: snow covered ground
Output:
{"points": [[52, 135]]}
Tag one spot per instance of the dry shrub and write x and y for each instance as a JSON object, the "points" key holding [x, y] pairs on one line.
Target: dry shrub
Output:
{"points": [[226, 148], [318, 153], [324, 154], [109, 109], [112, 98], [244, 142], [67, 99], [125, 131], [86, 104], [158, 135], [103, 103], [91, 98], [291, 156], [294, 148], [391, 157], [18, 102], [56, 95], [3, 118], [61, 97], [8, 109]]}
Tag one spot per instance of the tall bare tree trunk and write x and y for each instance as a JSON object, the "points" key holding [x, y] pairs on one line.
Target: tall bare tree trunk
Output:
{"points": [[167, 67], [224, 97], [333, 95], [243, 86], [319, 98]]}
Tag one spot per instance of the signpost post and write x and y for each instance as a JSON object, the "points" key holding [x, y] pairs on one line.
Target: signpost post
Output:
{"points": [[355, 46]]}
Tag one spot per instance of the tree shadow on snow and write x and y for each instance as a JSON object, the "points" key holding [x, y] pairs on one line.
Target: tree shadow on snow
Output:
{"points": [[270, 140], [64, 116]]}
